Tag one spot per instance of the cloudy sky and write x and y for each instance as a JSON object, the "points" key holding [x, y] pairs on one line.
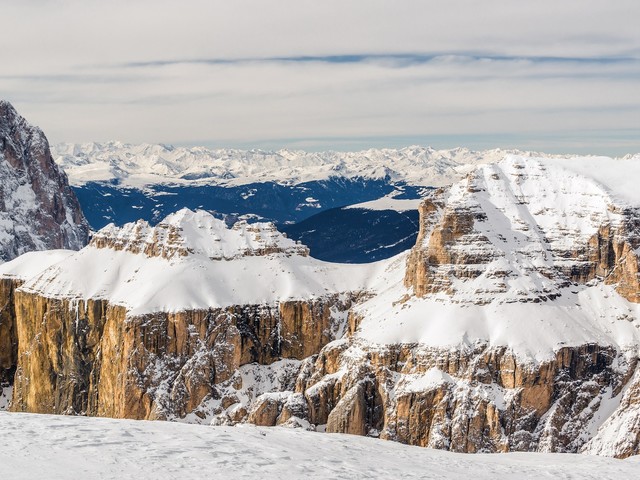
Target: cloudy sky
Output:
{"points": [[557, 76]]}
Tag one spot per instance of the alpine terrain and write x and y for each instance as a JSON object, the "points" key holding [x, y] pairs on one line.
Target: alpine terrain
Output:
{"points": [[512, 324], [370, 197], [38, 211]]}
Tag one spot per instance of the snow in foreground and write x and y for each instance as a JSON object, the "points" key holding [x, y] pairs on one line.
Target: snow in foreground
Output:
{"points": [[61, 447]]}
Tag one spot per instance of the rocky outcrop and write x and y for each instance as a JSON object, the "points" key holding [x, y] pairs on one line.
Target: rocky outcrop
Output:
{"points": [[505, 221], [619, 435], [38, 209], [8, 332], [205, 234], [485, 399], [612, 256], [89, 357]]}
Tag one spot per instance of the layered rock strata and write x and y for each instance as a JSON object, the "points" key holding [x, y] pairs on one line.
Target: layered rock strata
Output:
{"points": [[80, 343], [513, 324], [91, 358]]}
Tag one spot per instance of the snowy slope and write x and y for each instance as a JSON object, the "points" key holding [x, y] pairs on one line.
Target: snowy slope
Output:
{"points": [[531, 216], [61, 447], [389, 202], [139, 165], [618, 176], [189, 261]]}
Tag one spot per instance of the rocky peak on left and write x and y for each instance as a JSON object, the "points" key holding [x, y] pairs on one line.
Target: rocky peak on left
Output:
{"points": [[38, 209]]}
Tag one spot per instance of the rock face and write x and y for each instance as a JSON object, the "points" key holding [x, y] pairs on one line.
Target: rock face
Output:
{"points": [[204, 234], [8, 332], [504, 221], [91, 358], [482, 399], [509, 236], [38, 209], [79, 348], [512, 325]]}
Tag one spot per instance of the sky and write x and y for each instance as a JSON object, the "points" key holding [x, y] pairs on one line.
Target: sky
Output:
{"points": [[553, 76]]}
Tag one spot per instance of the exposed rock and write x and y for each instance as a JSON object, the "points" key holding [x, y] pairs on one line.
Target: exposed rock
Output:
{"points": [[8, 333], [481, 400], [205, 234], [619, 436], [267, 409], [502, 213], [357, 412], [91, 358], [38, 209]]}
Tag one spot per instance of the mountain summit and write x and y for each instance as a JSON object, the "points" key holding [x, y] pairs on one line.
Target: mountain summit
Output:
{"points": [[38, 209]]}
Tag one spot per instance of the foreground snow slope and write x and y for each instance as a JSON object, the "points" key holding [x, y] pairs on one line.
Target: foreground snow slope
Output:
{"points": [[60, 447]]}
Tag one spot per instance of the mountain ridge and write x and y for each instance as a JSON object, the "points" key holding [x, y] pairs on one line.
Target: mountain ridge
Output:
{"points": [[149, 164], [38, 209]]}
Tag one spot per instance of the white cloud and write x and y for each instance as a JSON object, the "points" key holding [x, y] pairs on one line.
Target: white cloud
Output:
{"points": [[66, 69]]}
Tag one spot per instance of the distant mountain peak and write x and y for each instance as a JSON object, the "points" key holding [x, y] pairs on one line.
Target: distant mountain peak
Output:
{"points": [[146, 164]]}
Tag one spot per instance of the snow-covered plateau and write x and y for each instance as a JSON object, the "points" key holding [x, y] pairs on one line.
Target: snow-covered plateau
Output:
{"points": [[62, 447]]}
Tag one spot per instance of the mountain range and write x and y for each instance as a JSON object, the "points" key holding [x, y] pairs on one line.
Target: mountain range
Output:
{"points": [[304, 194], [511, 324]]}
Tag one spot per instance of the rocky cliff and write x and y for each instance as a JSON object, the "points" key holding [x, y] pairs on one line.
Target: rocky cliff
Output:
{"points": [[78, 347], [516, 327], [91, 358], [38, 209], [512, 325]]}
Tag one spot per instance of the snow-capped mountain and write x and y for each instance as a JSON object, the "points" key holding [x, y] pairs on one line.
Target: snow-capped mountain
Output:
{"points": [[38, 209], [303, 193], [512, 325], [190, 260], [145, 164]]}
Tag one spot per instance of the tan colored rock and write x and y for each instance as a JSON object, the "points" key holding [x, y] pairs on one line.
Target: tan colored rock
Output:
{"points": [[266, 410], [92, 358], [354, 412], [8, 333], [489, 401]]}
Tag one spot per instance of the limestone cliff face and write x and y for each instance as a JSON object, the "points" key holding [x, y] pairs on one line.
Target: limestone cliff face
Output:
{"points": [[483, 399], [38, 209], [558, 233], [8, 331], [92, 358]]}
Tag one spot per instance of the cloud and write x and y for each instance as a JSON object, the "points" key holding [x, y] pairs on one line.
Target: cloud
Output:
{"points": [[329, 73], [392, 59]]}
